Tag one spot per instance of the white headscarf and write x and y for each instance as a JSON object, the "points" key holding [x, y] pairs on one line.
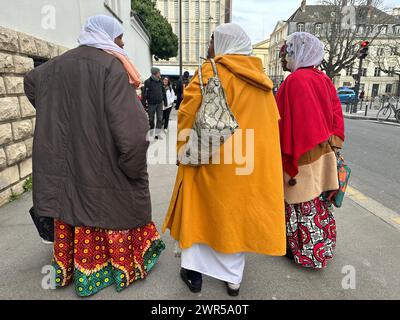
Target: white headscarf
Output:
{"points": [[303, 50], [100, 32], [230, 38]]}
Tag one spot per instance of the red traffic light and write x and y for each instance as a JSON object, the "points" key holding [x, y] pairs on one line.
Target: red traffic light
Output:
{"points": [[365, 44]]}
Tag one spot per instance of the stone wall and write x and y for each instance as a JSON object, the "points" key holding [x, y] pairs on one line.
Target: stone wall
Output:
{"points": [[17, 116]]}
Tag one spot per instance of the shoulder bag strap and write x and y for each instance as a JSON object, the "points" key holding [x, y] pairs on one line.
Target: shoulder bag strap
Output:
{"points": [[201, 78], [214, 66]]}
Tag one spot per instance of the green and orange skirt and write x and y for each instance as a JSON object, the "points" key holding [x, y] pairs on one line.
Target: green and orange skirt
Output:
{"points": [[95, 258]]}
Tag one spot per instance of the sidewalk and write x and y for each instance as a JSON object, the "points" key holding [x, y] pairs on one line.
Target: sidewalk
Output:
{"points": [[371, 114], [365, 242]]}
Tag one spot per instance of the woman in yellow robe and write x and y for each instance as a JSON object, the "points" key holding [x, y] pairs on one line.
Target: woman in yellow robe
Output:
{"points": [[220, 211]]}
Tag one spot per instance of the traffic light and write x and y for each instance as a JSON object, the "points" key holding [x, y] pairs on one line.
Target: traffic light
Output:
{"points": [[363, 52]]}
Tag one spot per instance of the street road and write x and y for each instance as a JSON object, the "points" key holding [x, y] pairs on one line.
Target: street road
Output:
{"points": [[373, 152]]}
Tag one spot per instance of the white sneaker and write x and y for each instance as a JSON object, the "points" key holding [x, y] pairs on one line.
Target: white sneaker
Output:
{"points": [[233, 286]]}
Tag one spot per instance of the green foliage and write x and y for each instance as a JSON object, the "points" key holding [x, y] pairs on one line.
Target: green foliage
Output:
{"points": [[164, 43], [28, 184], [27, 187], [14, 196]]}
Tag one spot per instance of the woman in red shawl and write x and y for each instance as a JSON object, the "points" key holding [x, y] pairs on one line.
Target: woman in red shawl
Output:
{"points": [[311, 128]]}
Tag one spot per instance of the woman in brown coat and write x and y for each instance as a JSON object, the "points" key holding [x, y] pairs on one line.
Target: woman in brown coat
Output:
{"points": [[89, 162]]}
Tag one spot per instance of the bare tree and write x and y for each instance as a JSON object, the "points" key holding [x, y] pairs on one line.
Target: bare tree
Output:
{"points": [[346, 24]]}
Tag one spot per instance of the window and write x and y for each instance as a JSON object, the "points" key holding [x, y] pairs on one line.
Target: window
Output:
{"points": [[187, 36], [218, 12], [197, 28], [380, 52], [166, 8], [349, 71], [364, 72], [346, 92], [301, 27], [389, 88], [396, 29], [391, 71], [207, 4], [114, 6], [383, 30], [377, 72], [176, 7], [393, 51], [318, 28], [187, 16]]}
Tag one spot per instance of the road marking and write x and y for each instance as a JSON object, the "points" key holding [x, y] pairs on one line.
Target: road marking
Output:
{"points": [[397, 220], [387, 215]]}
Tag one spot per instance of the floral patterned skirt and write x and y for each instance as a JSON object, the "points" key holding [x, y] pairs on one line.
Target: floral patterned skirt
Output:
{"points": [[311, 232], [95, 258]]}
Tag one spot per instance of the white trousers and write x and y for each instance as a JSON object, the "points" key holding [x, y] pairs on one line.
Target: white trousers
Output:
{"points": [[203, 259]]}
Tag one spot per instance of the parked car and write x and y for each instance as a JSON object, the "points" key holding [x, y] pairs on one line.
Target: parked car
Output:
{"points": [[346, 95]]}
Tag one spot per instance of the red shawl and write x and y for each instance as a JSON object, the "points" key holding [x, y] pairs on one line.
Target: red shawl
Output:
{"points": [[310, 114]]}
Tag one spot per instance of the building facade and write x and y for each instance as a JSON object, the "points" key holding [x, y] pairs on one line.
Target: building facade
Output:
{"points": [[199, 19], [261, 50], [313, 19], [277, 40], [60, 22]]}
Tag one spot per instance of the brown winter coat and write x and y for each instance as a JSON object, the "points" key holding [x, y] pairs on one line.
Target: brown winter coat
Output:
{"points": [[89, 151]]}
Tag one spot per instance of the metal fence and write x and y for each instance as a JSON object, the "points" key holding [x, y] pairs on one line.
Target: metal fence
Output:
{"points": [[374, 104]]}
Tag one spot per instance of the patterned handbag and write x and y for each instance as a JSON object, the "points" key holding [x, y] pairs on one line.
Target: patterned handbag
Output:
{"points": [[344, 171], [213, 125]]}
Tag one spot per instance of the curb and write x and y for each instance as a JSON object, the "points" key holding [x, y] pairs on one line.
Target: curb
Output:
{"points": [[357, 117], [374, 207]]}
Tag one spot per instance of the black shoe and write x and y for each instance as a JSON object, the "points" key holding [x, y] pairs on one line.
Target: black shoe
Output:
{"points": [[233, 292], [289, 254], [192, 279]]}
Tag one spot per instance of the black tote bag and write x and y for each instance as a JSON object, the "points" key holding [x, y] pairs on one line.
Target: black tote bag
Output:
{"points": [[44, 225]]}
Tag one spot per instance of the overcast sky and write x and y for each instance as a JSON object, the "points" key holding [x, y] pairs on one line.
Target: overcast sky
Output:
{"points": [[259, 17]]}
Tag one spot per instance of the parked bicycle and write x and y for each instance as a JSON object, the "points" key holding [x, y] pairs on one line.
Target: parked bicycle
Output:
{"points": [[392, 106]]}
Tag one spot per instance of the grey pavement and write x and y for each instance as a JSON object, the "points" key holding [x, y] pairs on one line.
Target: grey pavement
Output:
{"points": [[365, 243]]}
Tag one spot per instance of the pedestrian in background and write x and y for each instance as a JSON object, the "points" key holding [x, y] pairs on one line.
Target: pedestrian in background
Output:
{"points": [[89, 162], [171, 99], [180, 88], [155, 99], [311, 129], [215, 213]]}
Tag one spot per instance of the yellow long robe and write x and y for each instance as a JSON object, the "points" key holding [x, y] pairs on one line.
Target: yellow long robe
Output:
{"points": [[213, 205]]}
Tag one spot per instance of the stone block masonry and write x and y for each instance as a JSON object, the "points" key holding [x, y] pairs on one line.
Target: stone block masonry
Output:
{"points": [[17, 115]]}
